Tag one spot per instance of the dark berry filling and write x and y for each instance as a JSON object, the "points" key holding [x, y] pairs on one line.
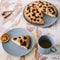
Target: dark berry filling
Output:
{"points": [[46, 4], [37, 16], [25, 37], [41, 17], [44, 10], [34, 19], [21, 41], [19, 37], [33, 14], [40, 6], [33, 10], [24, 43], [28, 8], [37, 20], [39, 13], [29, 16], [14, 38]]}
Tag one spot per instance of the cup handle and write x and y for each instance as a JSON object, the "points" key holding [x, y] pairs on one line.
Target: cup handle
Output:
{"points": [[53, 49]]}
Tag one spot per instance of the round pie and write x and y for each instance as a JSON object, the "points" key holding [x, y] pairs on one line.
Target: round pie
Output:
{"points": [[34, 11]]}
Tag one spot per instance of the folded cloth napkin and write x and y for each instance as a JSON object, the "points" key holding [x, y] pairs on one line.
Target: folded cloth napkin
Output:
{"points": [[15, 8]]}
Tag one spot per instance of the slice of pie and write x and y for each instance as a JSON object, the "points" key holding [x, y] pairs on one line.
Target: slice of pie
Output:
{"points": [[23, 41]]}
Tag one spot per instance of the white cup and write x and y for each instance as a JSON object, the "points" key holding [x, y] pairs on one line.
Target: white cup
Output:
{"points": [[43, 50]]}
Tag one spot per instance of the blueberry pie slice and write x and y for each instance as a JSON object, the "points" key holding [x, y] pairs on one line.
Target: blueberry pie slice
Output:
{"points": [[23, 41]]}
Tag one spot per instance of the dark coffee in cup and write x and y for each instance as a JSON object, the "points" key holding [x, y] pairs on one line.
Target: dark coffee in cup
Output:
{"points": [[45, 43]]}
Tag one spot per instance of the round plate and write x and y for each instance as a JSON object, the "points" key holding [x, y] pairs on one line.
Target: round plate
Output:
{"points": [[12, 48]]}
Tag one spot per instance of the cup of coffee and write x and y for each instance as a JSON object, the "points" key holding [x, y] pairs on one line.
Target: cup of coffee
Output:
{"points": [[46, 45]]}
